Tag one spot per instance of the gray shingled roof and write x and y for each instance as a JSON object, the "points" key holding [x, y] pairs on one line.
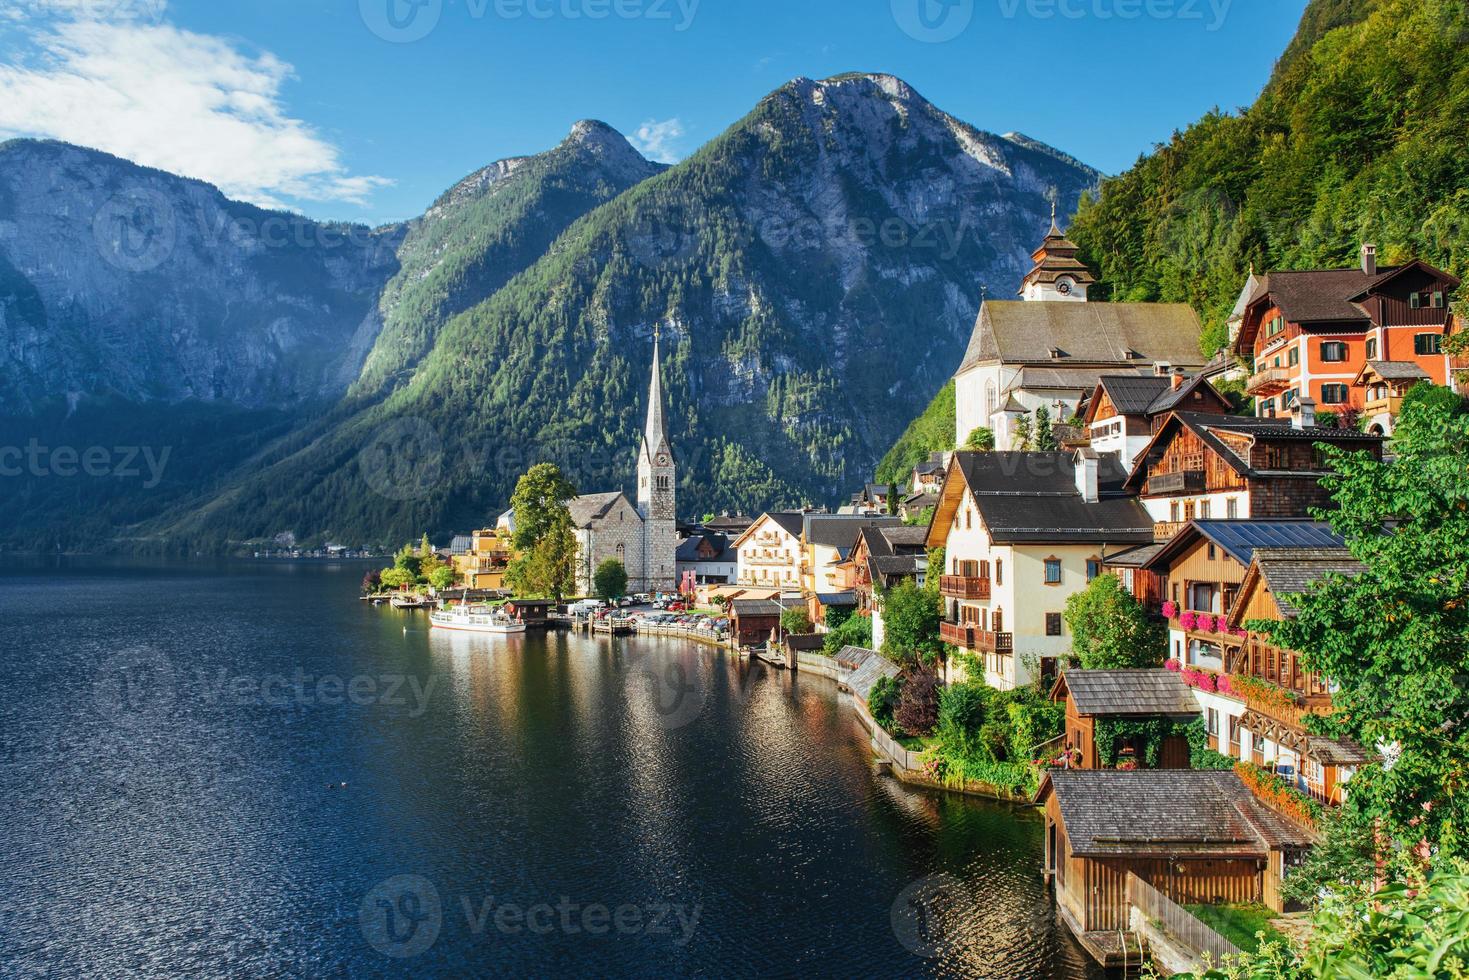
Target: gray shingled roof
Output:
{"points": [[903, 536], [1131, 394], [755, 607], [841, 530], [1289, 571], [1177, 813], [789, 521], [868, 669], [1033, 497], [590, 507], [1018, 332], [1130, 692], [1398, 370]]}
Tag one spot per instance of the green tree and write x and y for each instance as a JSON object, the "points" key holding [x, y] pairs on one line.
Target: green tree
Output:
{"points": [[1045, 432], [610, 579], [397, 578], [911, 624], [1024, 434], [795, 620], [1111, 630], [442, 578], [855, 631], [408, 561], [539, 501], [1394, 636], [548, 566], [981, 440]]}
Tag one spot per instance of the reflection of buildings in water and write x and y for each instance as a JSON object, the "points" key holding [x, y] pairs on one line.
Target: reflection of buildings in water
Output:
{"points": [[484, 671]]}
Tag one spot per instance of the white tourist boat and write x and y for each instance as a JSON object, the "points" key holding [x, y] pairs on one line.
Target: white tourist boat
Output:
{"points": [[475, 619]]}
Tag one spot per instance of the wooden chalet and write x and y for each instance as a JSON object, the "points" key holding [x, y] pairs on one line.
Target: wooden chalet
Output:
{"points": [[1223, 466], [1117, 695], [1125, 410], [535, 613], [1199, 837], [751, 621]]}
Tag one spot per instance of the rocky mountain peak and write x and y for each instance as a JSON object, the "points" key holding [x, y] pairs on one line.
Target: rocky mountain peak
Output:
{"points": [[611, 149]]}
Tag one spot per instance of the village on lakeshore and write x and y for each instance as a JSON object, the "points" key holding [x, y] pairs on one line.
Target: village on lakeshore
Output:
{"points": [[1102, 599]]}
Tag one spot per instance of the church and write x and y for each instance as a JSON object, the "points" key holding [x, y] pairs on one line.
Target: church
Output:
{"points": [[1050, 347], [642, 535]]}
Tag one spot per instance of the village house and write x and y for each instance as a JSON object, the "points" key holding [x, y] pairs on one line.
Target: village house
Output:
{"points": [[1309, 334], [752, 621], [1200, 570], [881, 558], [874, 498], [928, 476], [1050, 348], [1211, 466], [826, 541], [916, 506], [483, 564], [1126, 410], [1198, 837], [1022, 533], [707, 557], [1383, 385], [770, 552], [1098, 699]]}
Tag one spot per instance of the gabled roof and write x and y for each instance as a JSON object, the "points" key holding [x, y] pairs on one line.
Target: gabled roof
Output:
{"points": [[1166, 813], [1391, 371], [1131, 394], [724, 550], [1032, 497], [1197, 385], [1289, 571], [840, 530], [1112, 693], [789, 521], [1246, 295], [755, 607], [1240, 538], [1122, 334], [592, 507]]}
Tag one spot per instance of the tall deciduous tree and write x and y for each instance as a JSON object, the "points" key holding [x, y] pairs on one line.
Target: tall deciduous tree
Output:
{"points": [[610, 579], [548, 566], [1111, 630], [539, 501], [1395, 637], [910, 618]]}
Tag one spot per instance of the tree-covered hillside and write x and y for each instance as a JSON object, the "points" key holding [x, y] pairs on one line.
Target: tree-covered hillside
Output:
{"points": [[1359, 136]]}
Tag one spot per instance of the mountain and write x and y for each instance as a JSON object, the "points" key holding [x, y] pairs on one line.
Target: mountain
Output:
{"points": [[117, 280], [815, 270], [1359, 136]]}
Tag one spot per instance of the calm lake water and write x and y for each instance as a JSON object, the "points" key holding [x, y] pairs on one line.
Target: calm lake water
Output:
{"points": [[173, 738]]}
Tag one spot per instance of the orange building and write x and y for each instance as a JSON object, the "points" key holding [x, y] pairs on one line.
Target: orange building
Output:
{"points": [[1310, 334]]}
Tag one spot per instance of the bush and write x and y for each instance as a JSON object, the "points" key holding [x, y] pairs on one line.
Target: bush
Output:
{"points": [[835, 616], [1111, 630], [796, 621], [962, 711], [918, 704], [882, 702], [1033, 720], [856, 631]]}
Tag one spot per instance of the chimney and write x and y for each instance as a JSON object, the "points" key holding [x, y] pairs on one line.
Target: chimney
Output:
{"points": [[1178, 378], [1086, 475], [1304, 414], [1369, 259]]}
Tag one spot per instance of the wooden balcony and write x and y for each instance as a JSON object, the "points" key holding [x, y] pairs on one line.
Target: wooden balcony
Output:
{"points": [[1391, 406], [960, 635], [1182, 481], [964, 587], [1167, 530], [1271, 381], [986, 641]]}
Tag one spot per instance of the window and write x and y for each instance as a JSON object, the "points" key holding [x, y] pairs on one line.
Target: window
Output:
{"points": [[1231, 508], [1333, 350], [1053, 571], [1213, 551], [1173, 511], [1288, 399], [1093, 568], [1295, 356], [1203, 510], [1371, 348], [1053, 624], [1333, 394], [1426, 344], [991, 400], [998, 621], [1438, 299], [1415, 300], [999, 572], [1212, 716]]}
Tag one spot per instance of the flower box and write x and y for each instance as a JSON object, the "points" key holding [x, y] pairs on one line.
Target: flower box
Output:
{"points": [[1170, 609]]}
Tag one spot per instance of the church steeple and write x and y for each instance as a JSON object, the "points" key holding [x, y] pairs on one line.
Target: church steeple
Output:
{"points": [[657, 488], [1058, 275], [655, 431]]}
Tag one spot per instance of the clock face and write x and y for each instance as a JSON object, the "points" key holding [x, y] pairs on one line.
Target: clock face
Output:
{"points": [[1063, 287], [662, 460]]}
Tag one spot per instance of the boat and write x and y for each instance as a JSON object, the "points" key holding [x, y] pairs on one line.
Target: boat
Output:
{"points": [[475, 619]]}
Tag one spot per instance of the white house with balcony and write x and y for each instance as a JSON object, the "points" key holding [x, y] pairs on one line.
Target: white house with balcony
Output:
{"points": [[770, 552]]}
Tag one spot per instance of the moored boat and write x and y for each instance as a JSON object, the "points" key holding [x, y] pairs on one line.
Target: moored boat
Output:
{"points": [[475, 619]]}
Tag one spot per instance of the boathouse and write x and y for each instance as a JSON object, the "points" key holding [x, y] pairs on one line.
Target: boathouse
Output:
{"points": [[1095, 698]]}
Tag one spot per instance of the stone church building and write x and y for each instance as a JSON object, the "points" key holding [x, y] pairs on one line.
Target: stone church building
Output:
{"points": [[642, 535]]}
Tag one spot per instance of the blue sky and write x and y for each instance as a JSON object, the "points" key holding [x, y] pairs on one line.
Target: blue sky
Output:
{"points": [[339, 110]]}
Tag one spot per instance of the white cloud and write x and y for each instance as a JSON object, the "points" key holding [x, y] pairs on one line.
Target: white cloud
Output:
{"points": [[656, 140], [99, 74]]}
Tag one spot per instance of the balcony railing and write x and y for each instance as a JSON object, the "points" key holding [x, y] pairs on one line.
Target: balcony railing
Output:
{"points": [[1167, 530], [964, 587], [1271, 381], [987, 641], [1383, 406], [1182, 481], [960, 635]]}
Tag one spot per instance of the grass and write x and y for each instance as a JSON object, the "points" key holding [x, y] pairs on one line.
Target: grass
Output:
{"points": [[1239, 923]]}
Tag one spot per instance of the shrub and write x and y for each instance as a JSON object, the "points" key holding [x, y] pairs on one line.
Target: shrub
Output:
{"points": [[918, 704], [796, 621], [882, 702], [962, 711], [855, 631], [1034, 720]]}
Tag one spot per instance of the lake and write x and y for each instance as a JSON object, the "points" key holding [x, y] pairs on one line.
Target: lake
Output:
{"points": [[237, 768]]}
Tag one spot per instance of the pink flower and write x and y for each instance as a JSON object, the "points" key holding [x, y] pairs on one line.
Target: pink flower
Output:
{"points": [[1223, 686], [1173, 665], [1170, 609]]}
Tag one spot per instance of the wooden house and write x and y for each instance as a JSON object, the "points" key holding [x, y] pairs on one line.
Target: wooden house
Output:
{"points": [[1125, 410], [1199, 837], [752, 620], [1093, 696]]}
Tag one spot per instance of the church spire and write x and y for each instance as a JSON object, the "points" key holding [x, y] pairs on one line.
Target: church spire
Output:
{"points": [[655, 432]]}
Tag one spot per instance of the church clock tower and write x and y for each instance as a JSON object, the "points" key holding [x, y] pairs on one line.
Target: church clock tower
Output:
{"points": [[1058, 275], [657, 499]]}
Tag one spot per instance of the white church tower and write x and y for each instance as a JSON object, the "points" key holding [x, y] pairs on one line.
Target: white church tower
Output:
{"points": [[657, 499], [1058, 275]]}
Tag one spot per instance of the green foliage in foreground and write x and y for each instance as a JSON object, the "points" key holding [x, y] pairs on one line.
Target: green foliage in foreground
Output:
{"points": [[795, 620], [610, 579], [855, 631], [1240, 924], [1111, 630], [911, 618]]}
